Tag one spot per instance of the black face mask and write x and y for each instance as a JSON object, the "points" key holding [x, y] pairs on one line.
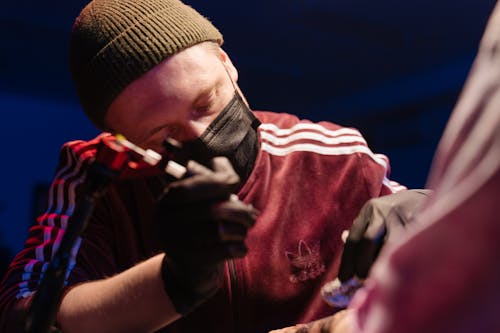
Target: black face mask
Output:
{"points": [[233, 134]]}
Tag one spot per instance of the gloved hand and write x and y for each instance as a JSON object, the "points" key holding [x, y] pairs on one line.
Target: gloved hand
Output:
{"points": [[374, 226], [201, 224]]}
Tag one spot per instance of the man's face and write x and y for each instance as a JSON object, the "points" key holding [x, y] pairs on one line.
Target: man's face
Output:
{"points": [[178, 98]]}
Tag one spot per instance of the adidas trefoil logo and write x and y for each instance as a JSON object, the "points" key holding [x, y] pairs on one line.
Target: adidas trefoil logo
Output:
{"points": [[306, 263]]}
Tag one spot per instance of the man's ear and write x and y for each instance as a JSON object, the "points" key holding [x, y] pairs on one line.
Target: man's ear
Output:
{"points": [[226, 61]]}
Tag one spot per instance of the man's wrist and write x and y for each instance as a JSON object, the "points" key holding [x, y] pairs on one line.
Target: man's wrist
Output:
{"points": [[189, 288]]}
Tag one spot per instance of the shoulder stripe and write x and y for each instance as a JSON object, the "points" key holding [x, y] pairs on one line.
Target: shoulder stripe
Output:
{"points": [[307, 126], [62, 191], [313, 136], [307, 147]]}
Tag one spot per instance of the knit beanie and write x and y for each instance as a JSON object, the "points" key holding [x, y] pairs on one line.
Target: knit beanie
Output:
{"points": [[114, 42]]}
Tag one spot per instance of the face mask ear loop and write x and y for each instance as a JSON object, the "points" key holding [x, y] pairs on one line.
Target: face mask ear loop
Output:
{"points": [[256, 122], [236, 91]]}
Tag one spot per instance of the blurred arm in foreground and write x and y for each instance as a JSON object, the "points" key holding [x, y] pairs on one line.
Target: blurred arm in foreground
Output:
{"points": [[441, 275]]}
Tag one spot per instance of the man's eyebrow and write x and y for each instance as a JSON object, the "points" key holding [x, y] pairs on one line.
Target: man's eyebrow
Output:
{"points": [[204, 94], [156, 130], [209, 91]]}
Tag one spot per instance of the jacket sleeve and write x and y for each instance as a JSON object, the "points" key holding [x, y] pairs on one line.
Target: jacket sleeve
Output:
{"points": [[44, 237]]}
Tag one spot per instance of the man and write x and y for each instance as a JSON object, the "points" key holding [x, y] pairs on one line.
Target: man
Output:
{"points": [[186, 257]]}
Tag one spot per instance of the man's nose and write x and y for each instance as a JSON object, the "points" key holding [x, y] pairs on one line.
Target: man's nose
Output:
{"points": [[191, 130]]}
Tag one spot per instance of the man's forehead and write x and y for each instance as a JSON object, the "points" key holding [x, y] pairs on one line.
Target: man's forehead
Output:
{"points": [[177, 77], [185, 70]]}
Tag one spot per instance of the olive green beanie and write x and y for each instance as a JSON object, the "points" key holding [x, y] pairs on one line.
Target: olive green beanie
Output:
{"points": [[114, 42]]}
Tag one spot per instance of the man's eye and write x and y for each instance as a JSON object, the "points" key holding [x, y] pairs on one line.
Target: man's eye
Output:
{"points": [[201, 111], [155, 141]]}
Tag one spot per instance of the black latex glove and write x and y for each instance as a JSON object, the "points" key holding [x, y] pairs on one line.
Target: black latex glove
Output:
{"points": [[201, 224], [374, 226]]}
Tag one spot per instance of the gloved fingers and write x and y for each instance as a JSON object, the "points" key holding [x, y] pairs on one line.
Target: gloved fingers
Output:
{"points": [[360, 223], [197, 188], [347, 262], [370, 226], [371, 221], [363, 242], [225, 172], [366, 252], [376, 224], [222, 164], [377, 213], [203, 183], [183, 213], [192, 215], [222, 170], [235, 212], [357, 258], [186, 224], [201, 227], [392, 213], [195, 168], [228, 231], [381, 214]]}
